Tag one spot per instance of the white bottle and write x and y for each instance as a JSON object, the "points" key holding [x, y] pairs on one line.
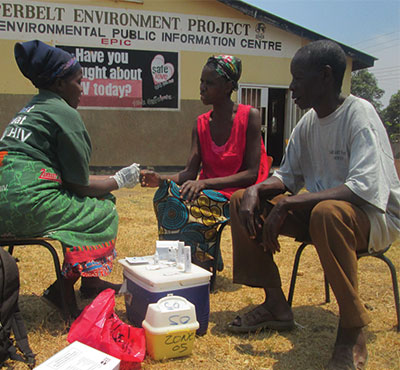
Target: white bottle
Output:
{"points": [[187, 254], [156, 258], [179, 257]]}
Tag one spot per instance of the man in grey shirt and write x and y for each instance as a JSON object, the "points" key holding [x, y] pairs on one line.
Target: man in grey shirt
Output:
{"points": [[340, 152]]}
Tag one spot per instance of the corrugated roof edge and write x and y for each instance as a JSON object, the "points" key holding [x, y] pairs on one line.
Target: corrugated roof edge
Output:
{"points": [[360, 59]]}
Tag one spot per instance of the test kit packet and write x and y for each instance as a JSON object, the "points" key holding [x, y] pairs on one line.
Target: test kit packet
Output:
{"points": [[80, 356]]}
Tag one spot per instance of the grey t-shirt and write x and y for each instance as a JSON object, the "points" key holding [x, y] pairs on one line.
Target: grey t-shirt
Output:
{"points": [[350, 147]]}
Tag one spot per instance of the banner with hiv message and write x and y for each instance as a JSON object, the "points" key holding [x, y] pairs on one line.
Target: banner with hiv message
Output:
{"points": [[114, 78]]}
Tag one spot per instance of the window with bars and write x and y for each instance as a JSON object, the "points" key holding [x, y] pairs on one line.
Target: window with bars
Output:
{"points": [[256, 96]]}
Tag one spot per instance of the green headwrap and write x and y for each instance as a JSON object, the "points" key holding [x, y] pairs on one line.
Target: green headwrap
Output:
{"points": [[227, 66]]}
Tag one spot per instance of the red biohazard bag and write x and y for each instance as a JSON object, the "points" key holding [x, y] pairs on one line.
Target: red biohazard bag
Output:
{"points": [[99, 327]]}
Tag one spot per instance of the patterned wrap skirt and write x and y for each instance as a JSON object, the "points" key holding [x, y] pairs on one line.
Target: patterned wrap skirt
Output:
{"points": [[33, 203], [196, 223]]}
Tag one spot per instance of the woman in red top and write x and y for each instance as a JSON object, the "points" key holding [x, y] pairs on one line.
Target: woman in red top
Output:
{"points": [[227, 147]]}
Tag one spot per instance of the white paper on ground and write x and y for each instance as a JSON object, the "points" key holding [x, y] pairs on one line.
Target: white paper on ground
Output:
{"points": [[79, 356]]}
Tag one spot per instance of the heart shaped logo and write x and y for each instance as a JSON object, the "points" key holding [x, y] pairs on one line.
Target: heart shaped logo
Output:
{"points": [[160, 70]]}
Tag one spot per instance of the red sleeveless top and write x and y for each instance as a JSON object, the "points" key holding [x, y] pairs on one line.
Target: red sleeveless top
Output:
{"points": [[227, 159]]}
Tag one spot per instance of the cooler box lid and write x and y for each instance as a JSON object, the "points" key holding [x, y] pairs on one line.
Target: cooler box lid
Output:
{"points": [[165, 278]]}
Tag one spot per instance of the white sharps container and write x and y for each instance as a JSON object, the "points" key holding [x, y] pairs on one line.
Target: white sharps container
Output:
{"points": [[170, 327]]}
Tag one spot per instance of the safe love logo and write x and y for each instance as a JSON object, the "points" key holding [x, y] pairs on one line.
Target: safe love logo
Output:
{"points": [[161, 71]]}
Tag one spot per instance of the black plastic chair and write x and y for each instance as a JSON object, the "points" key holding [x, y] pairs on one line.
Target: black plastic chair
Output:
{"points": [[380, 255], [217, 254], [45, 242]]}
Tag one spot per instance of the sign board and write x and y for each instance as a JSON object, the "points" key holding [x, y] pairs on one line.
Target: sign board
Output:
{"points": [[74, 24], [123, 78], [130, 57]]}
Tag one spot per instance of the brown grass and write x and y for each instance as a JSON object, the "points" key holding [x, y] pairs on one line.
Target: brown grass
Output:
{"points": [[306, 348]]}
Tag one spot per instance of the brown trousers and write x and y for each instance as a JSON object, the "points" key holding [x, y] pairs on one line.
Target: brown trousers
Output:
{"points": [[337, 229]]}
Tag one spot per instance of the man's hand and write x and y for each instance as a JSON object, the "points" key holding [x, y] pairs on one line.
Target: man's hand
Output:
{"points": [[249, 212], [272, 227]]}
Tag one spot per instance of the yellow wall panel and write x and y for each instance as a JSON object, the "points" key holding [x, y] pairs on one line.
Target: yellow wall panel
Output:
{"points": [[12, 81]]}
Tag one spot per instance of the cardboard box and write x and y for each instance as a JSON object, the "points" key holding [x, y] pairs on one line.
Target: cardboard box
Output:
{"points": [[146, 285], [79, 356]]}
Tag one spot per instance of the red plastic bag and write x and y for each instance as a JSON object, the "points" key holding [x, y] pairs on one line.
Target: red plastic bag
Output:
{"points": [[99, 327]]}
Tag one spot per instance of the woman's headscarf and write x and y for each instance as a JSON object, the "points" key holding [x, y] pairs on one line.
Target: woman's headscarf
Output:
{"points": [[43, 64], [227, 66]]}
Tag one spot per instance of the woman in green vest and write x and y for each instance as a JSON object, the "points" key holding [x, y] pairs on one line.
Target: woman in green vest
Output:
{"points": [[46, 190]]}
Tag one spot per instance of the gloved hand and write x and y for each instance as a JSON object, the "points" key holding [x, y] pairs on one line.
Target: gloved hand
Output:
{"points": [[127, 177]]}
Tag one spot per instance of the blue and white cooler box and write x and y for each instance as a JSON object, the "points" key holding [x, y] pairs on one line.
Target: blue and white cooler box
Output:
{"points": [[145, 284]]}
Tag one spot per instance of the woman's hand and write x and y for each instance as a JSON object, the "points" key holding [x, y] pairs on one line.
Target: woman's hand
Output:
{"points": [[191, 189], [127, 177], [149, 179]]}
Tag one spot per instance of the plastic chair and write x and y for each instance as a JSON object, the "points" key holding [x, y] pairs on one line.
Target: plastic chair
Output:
{"points": [[45, 242], [217, 255], [380, 255]]}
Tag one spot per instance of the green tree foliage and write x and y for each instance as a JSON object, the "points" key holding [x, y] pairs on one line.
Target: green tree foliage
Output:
{"points": [[364, 85], [391, 117]]}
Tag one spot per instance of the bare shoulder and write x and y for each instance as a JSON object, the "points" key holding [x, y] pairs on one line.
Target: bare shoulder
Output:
{"points": [[254, 118]]}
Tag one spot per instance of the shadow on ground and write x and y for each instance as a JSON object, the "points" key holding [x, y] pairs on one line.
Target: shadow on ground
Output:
{"points": [[314, 325]]}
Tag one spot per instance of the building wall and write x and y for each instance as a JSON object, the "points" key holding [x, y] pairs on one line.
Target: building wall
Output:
{"points": [[152, 137]]}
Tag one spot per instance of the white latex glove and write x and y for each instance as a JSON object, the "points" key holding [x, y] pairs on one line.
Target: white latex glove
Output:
{"points": [[127, 177]]}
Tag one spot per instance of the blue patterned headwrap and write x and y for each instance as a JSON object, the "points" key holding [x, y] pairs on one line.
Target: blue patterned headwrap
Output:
{"points": [[43, 64]]}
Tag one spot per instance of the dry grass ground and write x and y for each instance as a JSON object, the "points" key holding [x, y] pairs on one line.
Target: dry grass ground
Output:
{"points": [[308, 347]]}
